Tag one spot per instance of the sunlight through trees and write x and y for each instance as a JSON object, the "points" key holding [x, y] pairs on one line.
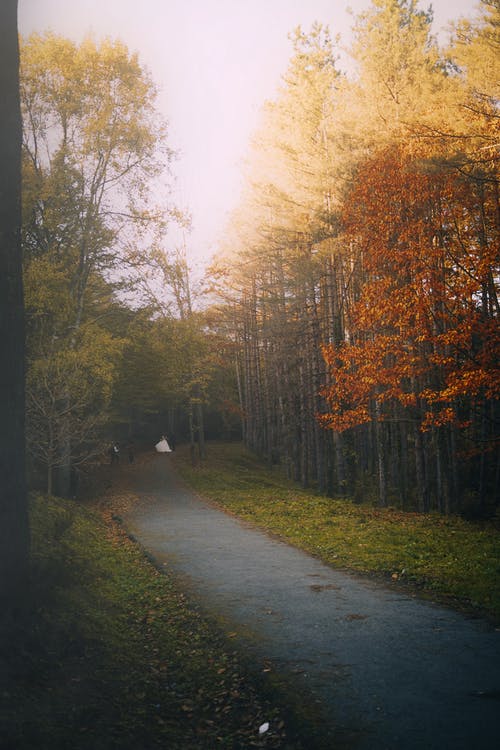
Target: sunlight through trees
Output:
{"points": [[348, 326], [369, 232]]}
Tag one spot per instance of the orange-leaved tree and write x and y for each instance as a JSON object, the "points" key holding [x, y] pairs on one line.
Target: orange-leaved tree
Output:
{"points": [[424, 343]]}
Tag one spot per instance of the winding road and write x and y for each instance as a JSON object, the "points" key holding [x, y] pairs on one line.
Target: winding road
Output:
{"points": [[391, 671]]}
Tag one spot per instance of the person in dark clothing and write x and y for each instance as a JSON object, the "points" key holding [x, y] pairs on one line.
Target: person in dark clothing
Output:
{"points": [[114, 453]]}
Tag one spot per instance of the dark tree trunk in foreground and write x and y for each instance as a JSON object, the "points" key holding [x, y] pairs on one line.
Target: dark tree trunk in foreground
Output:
{"points": [[14, 535]]}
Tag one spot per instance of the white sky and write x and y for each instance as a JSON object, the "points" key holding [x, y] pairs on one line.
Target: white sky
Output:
{"points": [[215, 62]]}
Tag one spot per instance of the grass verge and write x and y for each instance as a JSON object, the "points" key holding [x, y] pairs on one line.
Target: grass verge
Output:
{"points": [[111, 655], [446, 558]]}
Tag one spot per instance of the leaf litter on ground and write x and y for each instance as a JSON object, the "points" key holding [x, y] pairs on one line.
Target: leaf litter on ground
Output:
{"points": [[111, 654]]}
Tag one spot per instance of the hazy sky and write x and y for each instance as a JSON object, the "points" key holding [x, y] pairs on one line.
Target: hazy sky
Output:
{"points": [[215, 62]]}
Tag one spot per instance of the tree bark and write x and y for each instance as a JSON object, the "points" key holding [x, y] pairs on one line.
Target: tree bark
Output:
{"points": [[14, 530], [192, 444], [200, 425], [381, 458], [420, 472]]}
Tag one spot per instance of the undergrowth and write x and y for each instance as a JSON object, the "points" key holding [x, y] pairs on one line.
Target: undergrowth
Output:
{"points": [[444, 557]]}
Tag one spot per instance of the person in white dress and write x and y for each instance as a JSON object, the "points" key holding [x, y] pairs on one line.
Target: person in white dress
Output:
{"points": [[163, 446]]}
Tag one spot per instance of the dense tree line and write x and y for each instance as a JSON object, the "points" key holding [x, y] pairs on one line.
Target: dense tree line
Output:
{"points": [[90, 143], [356, 339], [115, 349], [359, 278]]}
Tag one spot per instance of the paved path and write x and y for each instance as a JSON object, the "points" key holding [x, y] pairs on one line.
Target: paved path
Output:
{"points": [[394, 672]]}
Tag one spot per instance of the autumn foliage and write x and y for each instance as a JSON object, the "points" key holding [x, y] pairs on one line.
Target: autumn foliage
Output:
{"points": [[361, 269], [424, 335]]}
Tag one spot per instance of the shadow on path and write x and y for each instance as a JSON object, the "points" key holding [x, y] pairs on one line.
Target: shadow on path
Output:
{"points": [[393, 672]]}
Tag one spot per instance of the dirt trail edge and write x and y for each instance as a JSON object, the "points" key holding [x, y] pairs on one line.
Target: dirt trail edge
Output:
{"points": [[393, 672]]}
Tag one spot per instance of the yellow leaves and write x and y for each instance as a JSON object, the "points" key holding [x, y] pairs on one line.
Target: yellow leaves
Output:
{"points": [[443, 416], [344, 419], [399, 80], [475, 49], [96, 97], [45, 284]]}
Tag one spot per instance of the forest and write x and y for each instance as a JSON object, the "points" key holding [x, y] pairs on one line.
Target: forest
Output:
{"points": [[331, 377], [347, 329]]}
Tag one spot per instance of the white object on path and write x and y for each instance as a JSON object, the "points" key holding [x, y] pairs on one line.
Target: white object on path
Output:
{"points": [[163, 446], [264, 727]]}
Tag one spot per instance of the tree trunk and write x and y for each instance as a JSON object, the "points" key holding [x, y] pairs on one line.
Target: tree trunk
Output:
{"points": [[201, 429], [403, 480], [50, 472], [63, 474], [420, 472], [14, 529], [482, 459], [304, 455], [340, 468], [192, 445], [454, 472], [241, 401], [381, 460]]}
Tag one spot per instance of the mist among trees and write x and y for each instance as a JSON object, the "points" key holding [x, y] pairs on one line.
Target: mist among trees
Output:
{"points": [[347, 329], [360, 273]]}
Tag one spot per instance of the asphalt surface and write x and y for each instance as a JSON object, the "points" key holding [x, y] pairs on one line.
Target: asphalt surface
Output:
{"points": [[392, 672]]}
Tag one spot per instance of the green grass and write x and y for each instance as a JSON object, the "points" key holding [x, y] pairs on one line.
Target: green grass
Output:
{"points": [[111, 655], [447, 558]]}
